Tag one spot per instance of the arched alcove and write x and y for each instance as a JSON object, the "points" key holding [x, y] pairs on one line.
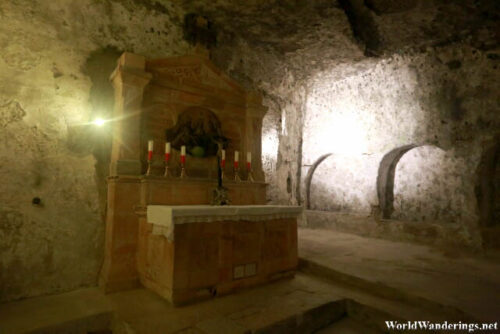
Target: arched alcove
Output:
{"points": [[488, 185], [197, 127], [309, 177], [421, 183], [385, 178], [341, 183]]}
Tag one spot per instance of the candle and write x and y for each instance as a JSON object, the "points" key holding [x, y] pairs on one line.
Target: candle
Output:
{"points": [[167, 151], [150, 150], [223, 158], [249, 160], [183, 154], [236, 158]]}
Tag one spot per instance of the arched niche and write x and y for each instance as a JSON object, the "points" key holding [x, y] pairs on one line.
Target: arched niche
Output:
{"points": [[309, 177], [422, 183], [385, 178], [197, 127], [488, 185], [341, 183]]}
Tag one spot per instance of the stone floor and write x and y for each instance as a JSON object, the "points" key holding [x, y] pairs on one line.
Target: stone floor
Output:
{"points": [[284, 304], [436, 279], [303, 304], [358, 283]]}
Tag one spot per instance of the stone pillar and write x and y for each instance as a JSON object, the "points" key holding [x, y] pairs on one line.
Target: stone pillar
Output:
{"points": [[129, 80], [255, 112]]}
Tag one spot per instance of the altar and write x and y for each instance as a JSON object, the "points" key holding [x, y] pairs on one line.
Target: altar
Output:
{"points": [[190, 252], [180, 127]]}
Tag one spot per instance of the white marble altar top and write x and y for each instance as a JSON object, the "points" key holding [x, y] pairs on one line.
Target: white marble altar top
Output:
{"points": [[165, 217]]}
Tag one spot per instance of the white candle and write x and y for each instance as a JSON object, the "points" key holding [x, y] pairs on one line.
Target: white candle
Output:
{"points": [[167, 147], [223, 154], [249, 157], [183, 150], [236, 156], [150, 145]]}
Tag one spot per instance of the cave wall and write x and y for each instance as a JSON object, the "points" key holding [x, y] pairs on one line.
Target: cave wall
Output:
{"points": [[444, 96], [323, 94], [428, 186], [284, 95], [55, 60], [49, 54]]}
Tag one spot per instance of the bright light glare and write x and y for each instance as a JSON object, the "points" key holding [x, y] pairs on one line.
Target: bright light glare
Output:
{"points": [[343, 133], [270, 144], [99, 122]]}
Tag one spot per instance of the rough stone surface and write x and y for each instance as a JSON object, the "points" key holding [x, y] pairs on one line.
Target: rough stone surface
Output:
{"points": [[416, 274], [412, 99], [428, 186], [306, 58], [46, 145]]}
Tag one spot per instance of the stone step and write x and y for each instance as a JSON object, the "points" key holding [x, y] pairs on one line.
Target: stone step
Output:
{"points": [[301, 304], [348, 326], [80, 311], [380, 289]]}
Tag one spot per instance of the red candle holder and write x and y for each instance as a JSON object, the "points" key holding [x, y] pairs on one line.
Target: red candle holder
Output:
{"points": [[236, 172], [183, 166], [167, 159], [150, 158], [250, 174]]}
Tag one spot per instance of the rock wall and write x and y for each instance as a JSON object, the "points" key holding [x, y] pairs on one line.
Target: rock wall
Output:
{"points": [[284, 96], [48, 54], [446, 97], [428, 186], [55, 59], [323, 96]]}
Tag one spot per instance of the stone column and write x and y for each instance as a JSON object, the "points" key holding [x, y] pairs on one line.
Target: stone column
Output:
{"points": [[255, 112], [129, 80]]}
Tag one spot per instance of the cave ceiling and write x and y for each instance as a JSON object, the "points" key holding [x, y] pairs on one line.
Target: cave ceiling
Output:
{"points": [[316, 34]]}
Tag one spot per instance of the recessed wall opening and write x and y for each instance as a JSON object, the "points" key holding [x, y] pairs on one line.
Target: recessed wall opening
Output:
{"points": [[340, 183], [426, 186]]}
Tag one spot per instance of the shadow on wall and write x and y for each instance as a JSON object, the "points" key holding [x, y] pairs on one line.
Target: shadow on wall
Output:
{"points": [[385, 179], [99, 66], [309, 177], [488, 189], [427, 184], [423, 183]]}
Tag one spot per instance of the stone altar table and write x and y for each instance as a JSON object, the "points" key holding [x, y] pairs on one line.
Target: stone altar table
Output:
{"points": [[190, 252]]}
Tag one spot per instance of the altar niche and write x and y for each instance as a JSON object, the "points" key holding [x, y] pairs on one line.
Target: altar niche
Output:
{"points": [[187, 101]]}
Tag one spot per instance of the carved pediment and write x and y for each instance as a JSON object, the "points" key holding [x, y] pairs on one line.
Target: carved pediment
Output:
{"points": [[194, 69], [191, 73]]}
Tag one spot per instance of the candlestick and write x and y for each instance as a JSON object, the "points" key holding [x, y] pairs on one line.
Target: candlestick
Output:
{"points": [[183, 161], [249, 160], [150, 156], [150, 149], [236, 166], [249, 167], [167, 159]]}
